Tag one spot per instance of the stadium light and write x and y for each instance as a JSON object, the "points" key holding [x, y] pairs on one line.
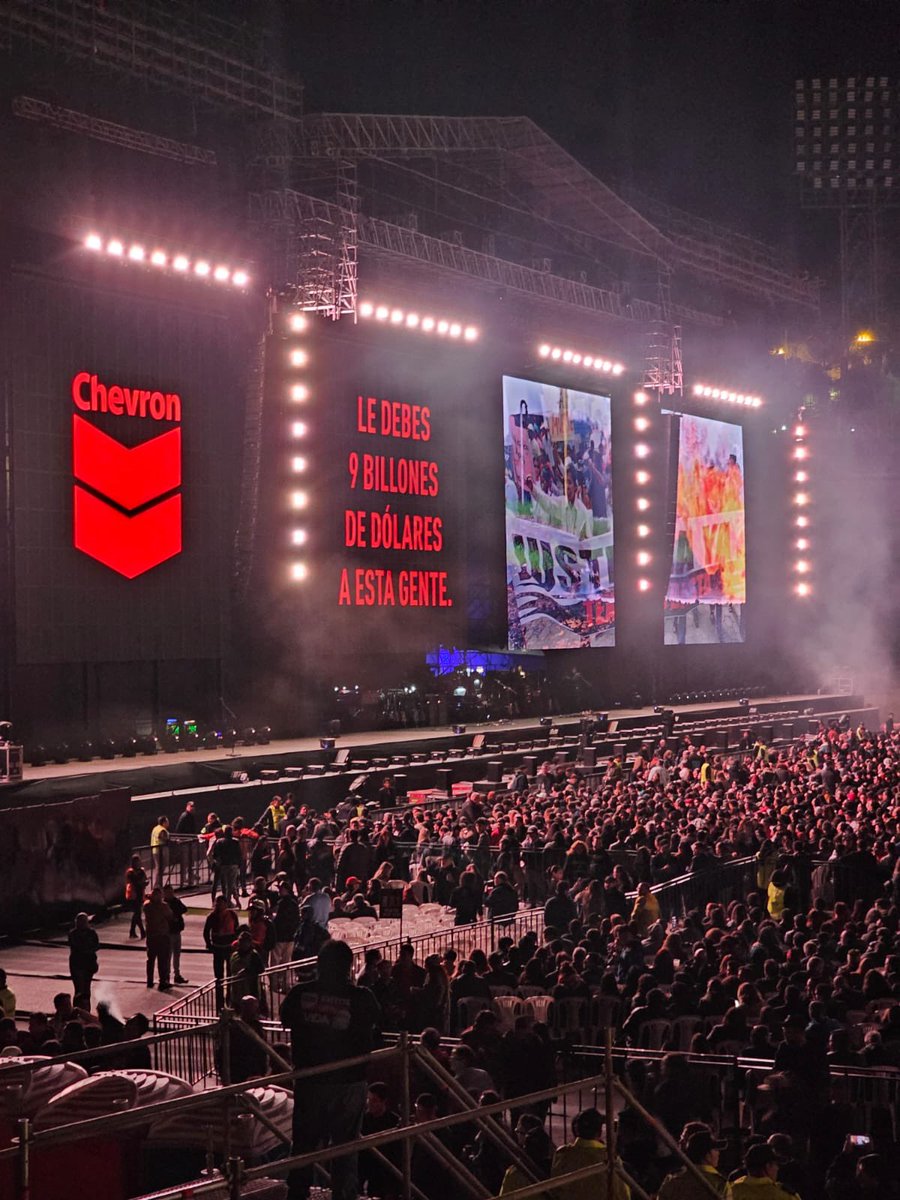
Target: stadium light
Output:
{"points": [[298, 537], [579, 358], [159, 257], [93, 241], [299, 571]]}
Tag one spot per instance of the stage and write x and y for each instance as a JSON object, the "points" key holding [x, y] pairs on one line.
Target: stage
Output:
{"points": [[219, 779]]}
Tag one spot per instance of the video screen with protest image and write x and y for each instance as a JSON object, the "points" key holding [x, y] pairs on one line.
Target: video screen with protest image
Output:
{"points": [[559, 518]]}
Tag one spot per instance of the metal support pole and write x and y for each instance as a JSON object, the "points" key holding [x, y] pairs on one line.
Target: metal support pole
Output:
{"points": [[24, 1158], [610, 1118], [660, 1130], [234, 1171], [454, 1168], [493, 1129], [406, 1114]]}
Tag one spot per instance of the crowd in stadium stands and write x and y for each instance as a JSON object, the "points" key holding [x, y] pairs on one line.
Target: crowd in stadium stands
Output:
{"points": [[801, 973]]}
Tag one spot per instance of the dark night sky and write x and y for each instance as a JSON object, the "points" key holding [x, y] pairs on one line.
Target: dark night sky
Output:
{"points": [[688, 100]]}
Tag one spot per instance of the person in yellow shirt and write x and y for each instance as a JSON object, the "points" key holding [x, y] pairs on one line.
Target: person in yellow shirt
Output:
{"points": [[761, 1180], [703, 1151], [586, 1151], [646, 909], [775, 895]]}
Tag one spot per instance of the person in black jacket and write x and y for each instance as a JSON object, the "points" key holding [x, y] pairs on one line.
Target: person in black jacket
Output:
{"points": [[179, 908], [83, 947]]}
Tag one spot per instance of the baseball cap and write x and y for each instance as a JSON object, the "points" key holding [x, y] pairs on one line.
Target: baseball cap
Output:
{"points": [[758, 1157], [699, 1145]]}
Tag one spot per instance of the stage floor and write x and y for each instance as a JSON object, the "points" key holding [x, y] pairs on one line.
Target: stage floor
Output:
{"points": [[370, 740]]}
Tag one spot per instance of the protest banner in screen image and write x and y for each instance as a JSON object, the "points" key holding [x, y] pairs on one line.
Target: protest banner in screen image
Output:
{"points": [[559, 519], [708, 582]]}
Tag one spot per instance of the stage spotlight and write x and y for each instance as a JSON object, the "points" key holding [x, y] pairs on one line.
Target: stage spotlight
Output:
{"points": [[106, 748], [800, 453], [221, 274], [443, 326], [556, 352], [589, 360], [455, 330], [643, 503], [37, 755], [366, 309], [136, 253], [801, 499], [248, 736], [298, 429], [617, 369], [211, 740], [263, 735], [803, 589], [801, 477], [606, 366], [544, 351], [427, 324], [802, 543], [397, 316], [698, 389], [158, 258], [641, 424], [299, 500], [93, 241], [643, 558], [240, 279], [180, 262], [643, 531], [85, 751], [299, 358], [567, 356], [576, 359], [202, 268], [643, 585], [297, 323], [716, 393], [801, 566], [326, 743], [641, 450], [299, 392], [298, 464], [802, 522], [299, 571], [640, 398], [115, 248], [470, 334], [412, 320], [642, 477], [298, 537]]}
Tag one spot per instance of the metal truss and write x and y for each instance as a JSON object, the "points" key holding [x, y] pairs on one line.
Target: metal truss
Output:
{"points": [[285, 212], [170, 45], [557, 186], [108, 131]]}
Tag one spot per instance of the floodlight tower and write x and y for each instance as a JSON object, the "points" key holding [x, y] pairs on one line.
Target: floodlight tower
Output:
{"points": [[845, 147]]}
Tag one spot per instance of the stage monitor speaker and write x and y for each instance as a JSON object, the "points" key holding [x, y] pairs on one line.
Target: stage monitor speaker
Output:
{"points": [[589, 756], [269, 775], [444, 776], [342, 757], [478, 741], [495, 771], [546, 722], [294, 772]]}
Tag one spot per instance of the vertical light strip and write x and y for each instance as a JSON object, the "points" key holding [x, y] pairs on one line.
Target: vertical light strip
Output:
{"points": [[801, 510], [298, 361], [642, 426]]}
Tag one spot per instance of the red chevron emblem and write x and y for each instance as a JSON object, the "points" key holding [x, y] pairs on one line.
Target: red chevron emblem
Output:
{"points": [[128, 545], [129, 476]]}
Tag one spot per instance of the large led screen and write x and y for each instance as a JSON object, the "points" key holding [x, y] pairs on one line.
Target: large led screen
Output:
{"points": [[707, 587], [559, 518]]}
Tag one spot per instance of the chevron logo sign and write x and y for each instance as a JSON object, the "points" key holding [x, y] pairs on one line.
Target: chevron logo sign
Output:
{"points": [[126, 502]]}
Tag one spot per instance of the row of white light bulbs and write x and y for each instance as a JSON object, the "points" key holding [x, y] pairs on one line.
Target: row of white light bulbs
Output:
{"points": [[298, 393], [578, 359], [642, 478], [442, 326], [136, 253], [801, 499], [715, 393]]}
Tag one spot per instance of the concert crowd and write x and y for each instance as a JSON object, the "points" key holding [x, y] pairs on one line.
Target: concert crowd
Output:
{"points": [[797, 966]]}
